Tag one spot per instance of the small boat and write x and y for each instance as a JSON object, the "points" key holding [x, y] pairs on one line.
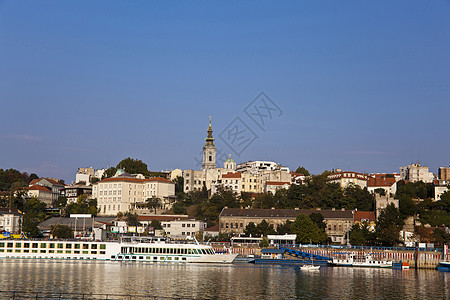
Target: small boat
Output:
{"points": [[400, 265], [444, 266], [309, 268]]}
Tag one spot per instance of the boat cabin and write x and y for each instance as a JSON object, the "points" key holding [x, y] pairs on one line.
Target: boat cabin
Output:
{"points": [[272, 253]]}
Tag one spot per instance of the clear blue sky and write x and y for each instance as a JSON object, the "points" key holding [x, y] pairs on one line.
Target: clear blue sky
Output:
{"points": [[362, 85]]}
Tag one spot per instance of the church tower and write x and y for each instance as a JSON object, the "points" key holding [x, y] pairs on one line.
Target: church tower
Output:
{"points": [[209, 150]]}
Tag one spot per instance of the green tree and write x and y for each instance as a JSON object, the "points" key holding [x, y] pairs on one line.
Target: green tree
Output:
{"points": [[307, 231], [61, 202], [82, 206], [302, 170], [110, 172], [156, 224], [133, 166], [264, 243], [264, 228], [30, 225], [251, 229], [388, 226], [179, 187], [285, 228], [132, 219], [360, 234], [318, 219], [62, 232], [153, 203], [36, 207], [265, 200]]}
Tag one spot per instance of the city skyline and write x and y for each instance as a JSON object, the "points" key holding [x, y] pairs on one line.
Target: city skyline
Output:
{"points": [[359, 86]]}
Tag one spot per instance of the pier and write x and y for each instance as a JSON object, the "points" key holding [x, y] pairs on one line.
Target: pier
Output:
{"points": [[416, 257]]}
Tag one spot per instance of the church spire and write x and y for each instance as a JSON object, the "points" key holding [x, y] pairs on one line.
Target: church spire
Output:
{"points": [[209, 139]]}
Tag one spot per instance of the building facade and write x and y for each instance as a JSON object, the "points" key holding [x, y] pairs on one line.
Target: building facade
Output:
{"points": [[182, 229], [346, 178], [234, 220], [123, 193], [53, 184], [42, 193], [416, 172], [444, 173], [10, 220]]}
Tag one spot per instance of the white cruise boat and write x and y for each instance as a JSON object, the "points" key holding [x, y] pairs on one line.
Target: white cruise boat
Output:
{"points": [[128, 249], [366, 260]]}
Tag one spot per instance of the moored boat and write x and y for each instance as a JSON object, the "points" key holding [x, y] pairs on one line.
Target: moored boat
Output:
{"points": [[127, 249], [309, 268], [365, 260]]}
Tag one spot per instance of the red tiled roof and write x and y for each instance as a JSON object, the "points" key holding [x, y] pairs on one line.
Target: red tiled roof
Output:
{"points": [[364, 215], [39, 187], [122, 179], [160, 179], [214, 228], [232, 175], [277, 183], [380, 181], [161, 218], [34, 181]]}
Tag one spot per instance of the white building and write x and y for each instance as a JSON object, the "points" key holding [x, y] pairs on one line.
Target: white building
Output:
{"points": [[182, 229], [440, 187], [260, 165], [273, 186], [416, 172], [387, 182], [344, 179], [42, 193], [123, 193], [10, 220]]}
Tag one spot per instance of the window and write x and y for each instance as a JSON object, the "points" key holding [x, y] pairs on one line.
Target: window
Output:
{"points": [[193, 225], [183, 225], [188, 225]]}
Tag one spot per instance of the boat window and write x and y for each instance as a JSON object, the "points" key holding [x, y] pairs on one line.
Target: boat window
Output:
{"points": [[35, 245], [85, 246], [2, 244], [155, 258], [68, 246], [127, 257], [141, 257], [18, 245], [68, 251], [171, 250], [77, 246], [76, 251], [183, 258], [94, 246], [102, 246], [195, 251], [119, 257], [43, 245], [60, 246], [93, 252]]}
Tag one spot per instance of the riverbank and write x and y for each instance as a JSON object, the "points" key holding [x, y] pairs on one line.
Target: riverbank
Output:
{"points": [[416, 259]]}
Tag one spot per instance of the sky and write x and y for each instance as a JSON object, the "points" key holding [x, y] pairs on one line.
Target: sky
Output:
{"points": [[358, 85]]}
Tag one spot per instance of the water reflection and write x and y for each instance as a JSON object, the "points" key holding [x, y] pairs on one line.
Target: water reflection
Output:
{"points": [[221, 281]]}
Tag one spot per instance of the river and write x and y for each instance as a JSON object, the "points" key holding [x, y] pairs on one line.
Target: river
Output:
{"points": [[236, 281]]}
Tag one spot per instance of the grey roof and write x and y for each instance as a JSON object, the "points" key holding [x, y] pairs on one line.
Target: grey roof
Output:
{"points": [[284, 213], [99, 221], [270, 251]]}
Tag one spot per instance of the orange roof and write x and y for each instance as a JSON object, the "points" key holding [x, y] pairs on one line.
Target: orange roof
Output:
{"points": [[34, 181], [277, 183], [39, 188], [160, 179], [380, 181], [232, 175], [364, 215], [122, 179]]}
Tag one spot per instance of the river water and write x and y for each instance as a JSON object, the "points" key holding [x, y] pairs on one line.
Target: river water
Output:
{"points": [[236, 281]]}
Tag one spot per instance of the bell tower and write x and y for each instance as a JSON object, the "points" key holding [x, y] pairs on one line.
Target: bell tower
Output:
{"points": [[209, 150]]}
